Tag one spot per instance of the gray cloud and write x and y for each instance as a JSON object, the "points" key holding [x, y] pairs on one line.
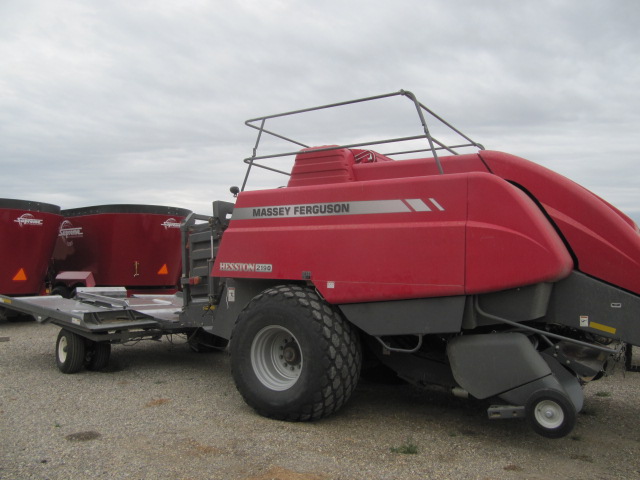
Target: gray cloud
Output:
{"points": [[144, 102]]}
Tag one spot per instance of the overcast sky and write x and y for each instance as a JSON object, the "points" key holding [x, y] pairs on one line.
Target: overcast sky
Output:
{"points": [[145, 101]]}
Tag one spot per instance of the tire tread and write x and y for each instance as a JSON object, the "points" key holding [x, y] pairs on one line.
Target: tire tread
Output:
{"points": [[75, 352], [338, 341]]}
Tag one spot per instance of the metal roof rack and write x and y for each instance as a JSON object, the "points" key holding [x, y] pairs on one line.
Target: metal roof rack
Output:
{"points": [[434, 145]]}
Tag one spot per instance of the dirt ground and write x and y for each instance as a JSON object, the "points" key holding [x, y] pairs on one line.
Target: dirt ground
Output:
{"points": [[161, 411]]}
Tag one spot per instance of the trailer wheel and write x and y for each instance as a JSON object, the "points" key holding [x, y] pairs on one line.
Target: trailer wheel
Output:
{"points": [[70, 351], [61, 290], [97, 357], [551, 413], [293, 356]]}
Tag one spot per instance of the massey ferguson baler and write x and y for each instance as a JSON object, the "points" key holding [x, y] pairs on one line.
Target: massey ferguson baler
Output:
{"points": [[480, 272]]}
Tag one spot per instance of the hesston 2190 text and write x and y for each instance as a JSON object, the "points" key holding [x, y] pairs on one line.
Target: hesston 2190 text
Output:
{"points": [[245, 267]]}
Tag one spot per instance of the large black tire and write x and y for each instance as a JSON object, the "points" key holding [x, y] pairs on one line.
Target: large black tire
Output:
{"points": [[97, 355], [293, 356], [551, 413], [70, 352]]}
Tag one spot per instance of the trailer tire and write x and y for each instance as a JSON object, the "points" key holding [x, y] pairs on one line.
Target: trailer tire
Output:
{"points": [[293, 356], [551, 413], [70, 352], [97, 357], [61, 290]]}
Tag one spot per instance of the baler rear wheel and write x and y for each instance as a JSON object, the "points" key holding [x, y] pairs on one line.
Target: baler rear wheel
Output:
{"points": [[551, 413], [293, 356], [70, 352]]}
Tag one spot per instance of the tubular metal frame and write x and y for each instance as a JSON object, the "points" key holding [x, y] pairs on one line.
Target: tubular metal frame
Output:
{"points": [[434, 145]]}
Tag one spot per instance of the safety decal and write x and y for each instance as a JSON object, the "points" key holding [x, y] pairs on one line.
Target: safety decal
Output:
{"points": [[585, 322], [338, 208], [21, 276], [231, 294]]}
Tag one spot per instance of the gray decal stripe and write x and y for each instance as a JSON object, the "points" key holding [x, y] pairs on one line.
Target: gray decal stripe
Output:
{"points": [[437, 205], [379, 206], [418, 205], [332, 209]]}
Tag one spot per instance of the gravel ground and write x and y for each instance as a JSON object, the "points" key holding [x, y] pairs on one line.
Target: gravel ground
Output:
{"points": [[161, 411]]}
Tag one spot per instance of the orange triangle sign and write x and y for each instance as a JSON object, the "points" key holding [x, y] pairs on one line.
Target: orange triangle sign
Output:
{"points": [[163, 270], [20, 276]]}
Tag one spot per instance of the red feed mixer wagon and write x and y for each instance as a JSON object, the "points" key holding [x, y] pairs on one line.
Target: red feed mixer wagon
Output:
{"points": [[136, 246], [473, 270], [28, 232]]}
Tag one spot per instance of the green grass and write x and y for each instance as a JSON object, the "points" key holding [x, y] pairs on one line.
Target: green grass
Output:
{"points": [[407, 448]]}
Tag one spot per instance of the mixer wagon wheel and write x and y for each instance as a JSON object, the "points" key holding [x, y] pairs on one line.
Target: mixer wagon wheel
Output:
{"points": [[70, 352], [97, 357], [551, 413], [293, 356]]}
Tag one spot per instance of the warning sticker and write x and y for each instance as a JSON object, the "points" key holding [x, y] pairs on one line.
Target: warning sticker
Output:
{"points": [[21, 276]]}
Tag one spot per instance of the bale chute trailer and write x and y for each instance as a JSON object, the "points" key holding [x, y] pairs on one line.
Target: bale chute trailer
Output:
{"points": [[135, 246], [479, 272]]}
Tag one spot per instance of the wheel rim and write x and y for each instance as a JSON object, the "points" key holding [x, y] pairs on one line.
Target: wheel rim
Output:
{"points": [[549, 414], [62, 349], [276, 358]]}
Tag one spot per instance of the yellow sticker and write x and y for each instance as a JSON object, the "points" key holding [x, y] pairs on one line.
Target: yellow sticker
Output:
{"points": [[604, 328]]}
